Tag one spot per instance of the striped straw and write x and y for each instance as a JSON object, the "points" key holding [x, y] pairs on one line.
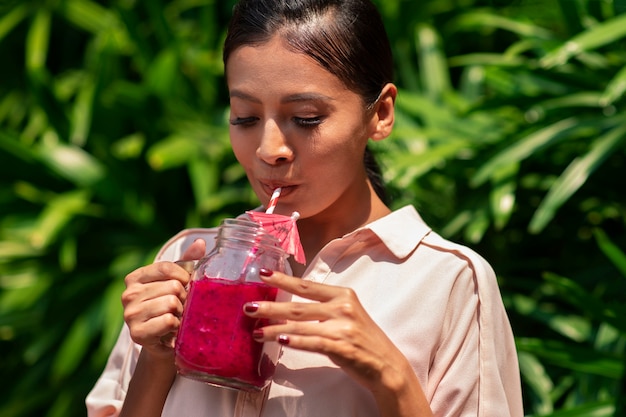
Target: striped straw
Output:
{"points": [[273, 201]]}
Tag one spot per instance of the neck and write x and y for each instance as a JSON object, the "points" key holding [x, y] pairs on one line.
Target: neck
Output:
{"points": [[317, 231]]}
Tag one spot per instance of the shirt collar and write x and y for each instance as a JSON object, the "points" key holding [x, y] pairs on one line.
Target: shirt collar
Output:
{"points": [[401, 231]]}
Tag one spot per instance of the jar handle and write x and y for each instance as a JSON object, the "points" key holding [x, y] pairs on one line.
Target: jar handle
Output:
{"points": [[188, 266]]}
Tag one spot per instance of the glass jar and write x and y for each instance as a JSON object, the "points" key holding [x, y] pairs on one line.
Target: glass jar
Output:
{"points": [[214, 343]]}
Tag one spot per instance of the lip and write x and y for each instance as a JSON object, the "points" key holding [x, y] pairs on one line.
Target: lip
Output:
{"points": [[269, 187]]}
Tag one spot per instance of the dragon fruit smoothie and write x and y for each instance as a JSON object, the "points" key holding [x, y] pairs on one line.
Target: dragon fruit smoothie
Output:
{"points": [[215, 343]]}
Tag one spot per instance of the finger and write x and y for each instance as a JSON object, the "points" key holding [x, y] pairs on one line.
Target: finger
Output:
{"points": [[144, 309], [151, 331], [302, 288], [311, 328], [169, 340], [137, 293], [279, 311], [195, 251], [354, 351], [309, 341], [158, 271]]}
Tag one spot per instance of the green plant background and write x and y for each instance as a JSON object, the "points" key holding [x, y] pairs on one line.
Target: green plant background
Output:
{"points": [[510, 138]]}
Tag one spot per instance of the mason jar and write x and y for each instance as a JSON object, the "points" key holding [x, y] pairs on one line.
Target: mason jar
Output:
{"points": [[214, 343]]}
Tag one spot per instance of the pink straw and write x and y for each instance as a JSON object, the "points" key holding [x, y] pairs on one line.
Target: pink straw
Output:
{"points": [[273, 201]]}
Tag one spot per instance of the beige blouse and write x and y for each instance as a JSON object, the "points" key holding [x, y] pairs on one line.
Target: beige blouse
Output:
{"points": [[439, 303]]}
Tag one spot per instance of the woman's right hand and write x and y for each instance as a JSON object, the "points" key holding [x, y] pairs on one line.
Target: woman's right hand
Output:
{"points": [[153, 302]]}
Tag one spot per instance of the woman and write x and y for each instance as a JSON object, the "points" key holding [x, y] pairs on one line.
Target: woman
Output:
{"points": [[388, 318]]}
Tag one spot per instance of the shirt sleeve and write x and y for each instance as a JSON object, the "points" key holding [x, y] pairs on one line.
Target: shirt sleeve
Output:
{"points": [[499, 384], [475, 371], [108, 394]]}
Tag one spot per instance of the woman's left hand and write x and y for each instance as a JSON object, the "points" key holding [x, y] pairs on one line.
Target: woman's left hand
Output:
{"points": [[336, 325]]}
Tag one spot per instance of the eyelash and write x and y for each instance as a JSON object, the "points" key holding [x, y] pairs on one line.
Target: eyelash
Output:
{"points": [[243, 121], [306, 123]]}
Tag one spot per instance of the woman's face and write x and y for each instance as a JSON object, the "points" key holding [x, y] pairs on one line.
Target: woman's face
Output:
{"points": [[295, 125]]}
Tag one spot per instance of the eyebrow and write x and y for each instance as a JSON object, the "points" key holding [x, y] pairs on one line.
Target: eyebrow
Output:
{"points": [[307, 97], [294, 98]]}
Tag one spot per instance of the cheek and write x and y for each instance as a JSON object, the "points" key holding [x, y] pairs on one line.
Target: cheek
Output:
{"points": [[243, 150], [347, 147], [333, 166]]}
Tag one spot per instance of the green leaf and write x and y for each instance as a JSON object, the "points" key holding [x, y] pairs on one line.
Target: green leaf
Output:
{"points": [[612, 251], [579, 297], [573, 327], [523, 148], [477, 226], [591, 409], [129, 147], [113, 317], [424, 109], [163, 73], [575, 176], [16, 149], [579, 99], [21, 291], [482, 20], [172, 152], [37, 40], [75, 345], [71, 162], [83, 111], [535, 375], [515, 83], [573, 357], [88, 15], [486, 59], [615, 88], [11, 250], [414, 165], [502, 196], [68, 254], [432, 59], [12, 19], [597, 36], [205, 178], [57, 215]]}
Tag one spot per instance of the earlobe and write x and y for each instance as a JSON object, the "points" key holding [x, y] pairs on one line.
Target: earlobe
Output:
{"points": [[384, 113]]}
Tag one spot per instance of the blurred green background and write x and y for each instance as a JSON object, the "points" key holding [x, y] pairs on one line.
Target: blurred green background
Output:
{"points": [[510, 138]]}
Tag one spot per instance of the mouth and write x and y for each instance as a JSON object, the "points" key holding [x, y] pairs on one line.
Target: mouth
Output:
{"points": [[270, 187]]}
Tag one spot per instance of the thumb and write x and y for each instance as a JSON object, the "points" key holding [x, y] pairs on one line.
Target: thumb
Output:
{"points": [[195, 251]]}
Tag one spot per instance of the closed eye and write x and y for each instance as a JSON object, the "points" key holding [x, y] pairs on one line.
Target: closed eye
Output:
{"points": [[308, 122], [243, 121]]}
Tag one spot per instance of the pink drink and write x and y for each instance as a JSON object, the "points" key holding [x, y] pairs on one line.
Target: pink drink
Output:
{"points": [[215, 344]]}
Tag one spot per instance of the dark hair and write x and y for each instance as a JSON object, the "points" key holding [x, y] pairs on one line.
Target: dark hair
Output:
{"points": [[347, 37]]}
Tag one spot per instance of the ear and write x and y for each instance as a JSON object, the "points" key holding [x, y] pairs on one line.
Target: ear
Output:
{"points": [[382, 119]]}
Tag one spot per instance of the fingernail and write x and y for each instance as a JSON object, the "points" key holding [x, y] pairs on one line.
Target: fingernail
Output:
{"points": [[283, 339], [266, 272], [257, 333], [251, 307]]}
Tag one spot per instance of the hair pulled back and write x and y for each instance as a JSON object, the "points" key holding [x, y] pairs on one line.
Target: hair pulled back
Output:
{"points": [[346, 37]]}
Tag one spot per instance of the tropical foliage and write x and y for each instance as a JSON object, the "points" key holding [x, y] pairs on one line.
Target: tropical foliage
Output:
{"points": [[510, 138]]}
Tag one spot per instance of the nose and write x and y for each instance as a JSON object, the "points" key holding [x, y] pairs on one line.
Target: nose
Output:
{"points": [[274, 148]]}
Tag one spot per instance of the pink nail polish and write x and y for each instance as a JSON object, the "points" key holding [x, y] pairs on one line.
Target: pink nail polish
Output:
{"points": [[283, 339]]}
